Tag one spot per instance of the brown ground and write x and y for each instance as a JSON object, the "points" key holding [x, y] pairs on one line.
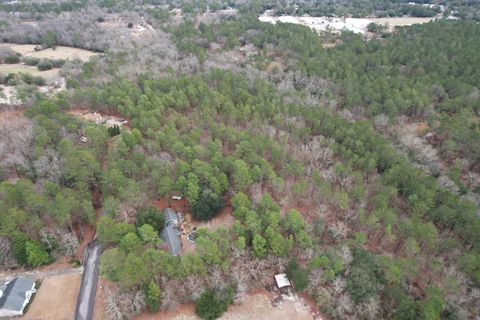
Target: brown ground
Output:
{"points": [[99, 310], [88, 235], [257, 306], [56, 299]]}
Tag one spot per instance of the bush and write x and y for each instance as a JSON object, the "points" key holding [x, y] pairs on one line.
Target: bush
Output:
{"points": [[19, 241], [57, 63], [297, 275], [29, 79], [114, 130], [212, 305], [44, 64], [151, 216], [12, 59], [36, 254], [30, 61]]}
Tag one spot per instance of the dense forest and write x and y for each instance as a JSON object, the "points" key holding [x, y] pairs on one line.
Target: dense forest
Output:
{"points": [[301, 141]]}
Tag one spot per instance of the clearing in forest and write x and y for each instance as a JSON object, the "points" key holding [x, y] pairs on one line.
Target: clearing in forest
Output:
{"points": [[60, 52], [257, 306]]}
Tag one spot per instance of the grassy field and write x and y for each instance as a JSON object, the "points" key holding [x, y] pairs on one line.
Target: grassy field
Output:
{"points": [[66, 53], [49, 75], [56, 298]]}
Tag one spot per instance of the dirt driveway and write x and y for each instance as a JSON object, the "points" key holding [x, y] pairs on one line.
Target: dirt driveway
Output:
{"points": [[56, 299]]}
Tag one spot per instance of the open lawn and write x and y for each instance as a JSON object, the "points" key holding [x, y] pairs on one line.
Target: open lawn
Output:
{"points": [[56, 299], [49, 75], [60, 52]]}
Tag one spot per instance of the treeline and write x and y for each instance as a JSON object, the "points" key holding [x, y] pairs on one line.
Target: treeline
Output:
{"points": [[44, 7], [419, 72], [377, 8]]}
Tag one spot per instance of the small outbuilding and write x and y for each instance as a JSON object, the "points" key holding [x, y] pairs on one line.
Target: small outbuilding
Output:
{"points": [[15, 295], [282, 281]]}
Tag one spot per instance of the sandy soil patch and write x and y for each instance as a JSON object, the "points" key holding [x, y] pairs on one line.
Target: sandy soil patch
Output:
{"points": [[108, 119], [257, 306], [401, 21], [60, 52], [337, 24], [56, 299]]}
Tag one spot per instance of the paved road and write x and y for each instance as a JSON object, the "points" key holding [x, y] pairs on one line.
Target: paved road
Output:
{"points": [[88, 287]]}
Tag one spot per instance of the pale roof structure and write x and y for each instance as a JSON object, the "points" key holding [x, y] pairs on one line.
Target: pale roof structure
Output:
{"points": [[282, 280]]}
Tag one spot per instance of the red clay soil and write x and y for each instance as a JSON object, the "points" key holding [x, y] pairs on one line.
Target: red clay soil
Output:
{"points": [[179, 205], [88, 234], [312, 305]]}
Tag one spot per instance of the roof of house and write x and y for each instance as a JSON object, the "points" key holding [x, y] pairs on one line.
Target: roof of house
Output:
{"points": [[14, 293], [170, 214], [282, 280], [170, 235]]}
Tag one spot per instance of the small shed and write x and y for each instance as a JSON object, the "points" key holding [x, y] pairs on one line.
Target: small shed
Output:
{"points": [[282, 281], [15, 295]]}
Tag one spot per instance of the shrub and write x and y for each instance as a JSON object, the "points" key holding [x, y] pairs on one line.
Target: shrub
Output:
{"points": [[211, 305], [57, 63], [19, 241], [44, 64], [152, 296], [12, 59], [36, 254], [297, 275], [30, 61], [29, 79], [114, 130]]}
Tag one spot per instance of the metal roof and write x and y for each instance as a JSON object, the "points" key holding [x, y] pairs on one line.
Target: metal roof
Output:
{"points": [[170, 235], [170, 215], [14, 294], [282, 280]]}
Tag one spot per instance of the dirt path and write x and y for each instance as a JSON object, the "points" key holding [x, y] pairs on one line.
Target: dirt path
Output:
{"points": [[37, 275]]}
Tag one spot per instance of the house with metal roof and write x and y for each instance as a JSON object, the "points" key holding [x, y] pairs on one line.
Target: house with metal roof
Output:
{"points": [[171, 217], [15, 295], [171, 233]]}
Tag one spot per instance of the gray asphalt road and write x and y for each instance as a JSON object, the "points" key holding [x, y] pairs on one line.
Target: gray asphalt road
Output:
{"points": [[88, 287]]}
